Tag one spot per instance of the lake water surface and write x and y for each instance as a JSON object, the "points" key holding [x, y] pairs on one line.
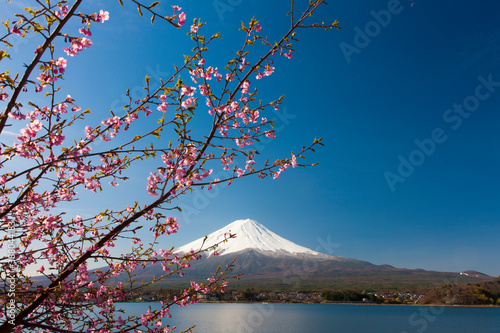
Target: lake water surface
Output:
{"points": [[319, 318]]}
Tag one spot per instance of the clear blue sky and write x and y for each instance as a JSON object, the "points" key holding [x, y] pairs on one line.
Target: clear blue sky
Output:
{"points": [[371, 95]]}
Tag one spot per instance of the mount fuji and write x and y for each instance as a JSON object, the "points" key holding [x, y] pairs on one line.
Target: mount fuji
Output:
{"points": [[270, 261], [251, 235]]}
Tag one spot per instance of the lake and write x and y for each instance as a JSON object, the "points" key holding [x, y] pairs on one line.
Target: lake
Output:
{"points": [[338, 318]]}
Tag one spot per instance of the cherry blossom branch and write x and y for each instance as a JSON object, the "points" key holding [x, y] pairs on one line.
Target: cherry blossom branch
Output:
{"points": [[169, 19], [40, 51], [184, 169]]}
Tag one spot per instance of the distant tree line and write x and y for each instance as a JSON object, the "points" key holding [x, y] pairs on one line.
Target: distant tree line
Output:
{"points": [[486, 293]]}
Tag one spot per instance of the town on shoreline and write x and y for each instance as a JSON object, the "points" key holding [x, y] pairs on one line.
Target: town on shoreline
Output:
{"points": [[325, 297]]}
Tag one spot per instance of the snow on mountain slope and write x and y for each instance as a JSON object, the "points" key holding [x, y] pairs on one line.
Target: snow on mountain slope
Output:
{"points": [[249, 235]]}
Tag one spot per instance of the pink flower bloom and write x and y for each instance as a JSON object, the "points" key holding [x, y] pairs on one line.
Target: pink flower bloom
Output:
{"points": [[4, 96], [102, 16], [176, 8], [85, 32], [86, 43], [194, 28], [268, 70], [88, 133], [36, 125], [57, 139], [218, 76], [188, 102], [244, 87], [289, 55], [188, 91], [77, 45], [258, 28], [243, 63], [70, 51], [203, 89], [44, 78], [240, 172], [284, 167], [270, 134], [162, 107], [294, 161], [63, 12], [182, 19], [15, 30]]}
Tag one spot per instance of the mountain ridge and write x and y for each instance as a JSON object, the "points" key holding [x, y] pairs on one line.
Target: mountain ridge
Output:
{"points": [[267, 259]]}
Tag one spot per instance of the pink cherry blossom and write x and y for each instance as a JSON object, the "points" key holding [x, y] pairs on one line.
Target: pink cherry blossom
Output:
{"points": [[188, 102], [62, 12], [240, 172], [268, 70], [56, 139], [15, 30], [270, 134], [162, 107], [36, 125], [182, 19], [188, 91], [86, 43], [102, 16], [244, 87], [85, 31], [203, 89]]}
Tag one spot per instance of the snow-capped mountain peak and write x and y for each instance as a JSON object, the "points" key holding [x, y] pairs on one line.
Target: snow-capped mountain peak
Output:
{"points": [[250, 235]]}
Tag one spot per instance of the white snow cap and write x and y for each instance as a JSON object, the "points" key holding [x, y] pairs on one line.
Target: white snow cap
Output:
{"points": [[249, 235]]}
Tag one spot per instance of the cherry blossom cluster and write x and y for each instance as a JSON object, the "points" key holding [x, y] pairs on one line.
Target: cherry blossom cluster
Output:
{"points": [[177, 163], [77, 45], [169, 227], [181, 17]]}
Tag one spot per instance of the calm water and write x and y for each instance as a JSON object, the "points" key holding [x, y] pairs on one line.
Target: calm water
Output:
{"points": [[319, 318]]}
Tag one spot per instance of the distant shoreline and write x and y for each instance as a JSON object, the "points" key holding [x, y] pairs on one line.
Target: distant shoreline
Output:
{"points": [[340, 303]]}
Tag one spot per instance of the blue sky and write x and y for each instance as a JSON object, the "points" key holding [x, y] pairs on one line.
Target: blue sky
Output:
{"points": [[403, 84]]}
